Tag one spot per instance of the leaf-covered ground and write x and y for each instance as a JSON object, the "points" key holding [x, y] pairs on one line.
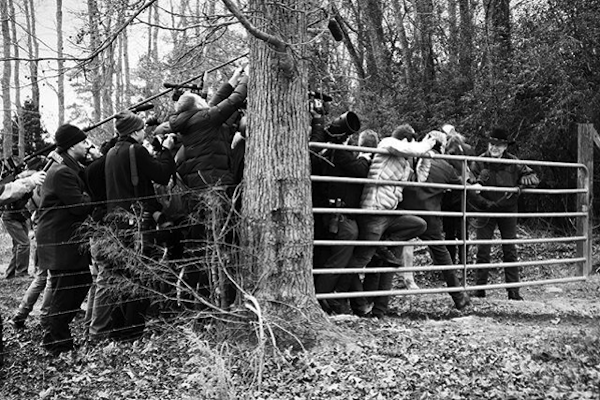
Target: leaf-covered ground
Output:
{"points": [[547, 347]]}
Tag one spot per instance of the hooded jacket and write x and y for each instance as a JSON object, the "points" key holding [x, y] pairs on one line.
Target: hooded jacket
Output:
{"points": [[206, 137]]}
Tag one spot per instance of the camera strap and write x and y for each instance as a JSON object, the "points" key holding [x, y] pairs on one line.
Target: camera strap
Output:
{"points": [[135, 178]]}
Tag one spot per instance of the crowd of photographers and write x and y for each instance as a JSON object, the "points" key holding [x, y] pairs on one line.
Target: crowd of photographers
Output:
{"points": [[201, 144]]}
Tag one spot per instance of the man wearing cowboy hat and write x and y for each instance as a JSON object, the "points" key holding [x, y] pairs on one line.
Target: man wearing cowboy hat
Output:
{"points": [[503, 175]]}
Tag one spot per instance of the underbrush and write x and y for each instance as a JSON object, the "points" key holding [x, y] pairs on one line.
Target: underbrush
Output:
{"points": [[545, 347]]}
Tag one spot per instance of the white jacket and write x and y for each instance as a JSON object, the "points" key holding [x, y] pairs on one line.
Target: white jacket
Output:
{"points": [[393, 166]]}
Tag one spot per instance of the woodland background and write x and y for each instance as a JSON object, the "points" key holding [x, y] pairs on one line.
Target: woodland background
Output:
{"points": [[528, 65]]}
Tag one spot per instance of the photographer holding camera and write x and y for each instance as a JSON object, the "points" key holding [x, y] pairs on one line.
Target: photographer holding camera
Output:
{"points": [[206, 132], [339, 163], [130, 171]]}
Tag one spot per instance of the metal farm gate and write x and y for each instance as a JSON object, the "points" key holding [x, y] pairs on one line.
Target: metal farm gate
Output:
{"points": [[582, 240]]}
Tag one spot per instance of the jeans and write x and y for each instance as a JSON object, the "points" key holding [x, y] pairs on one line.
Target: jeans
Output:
{"points": [[19, 232], [100, 299], [36, 287], [485, 231]]}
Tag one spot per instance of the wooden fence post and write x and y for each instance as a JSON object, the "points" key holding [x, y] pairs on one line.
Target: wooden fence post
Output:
{"points": [[585, 156]]}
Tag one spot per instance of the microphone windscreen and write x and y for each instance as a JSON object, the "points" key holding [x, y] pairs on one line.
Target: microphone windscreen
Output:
{"points": [[142, 107], [335, 29]]}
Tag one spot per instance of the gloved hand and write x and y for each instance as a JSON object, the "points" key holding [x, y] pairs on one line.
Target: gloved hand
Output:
{"points": [[530, 180], [38, 177]]}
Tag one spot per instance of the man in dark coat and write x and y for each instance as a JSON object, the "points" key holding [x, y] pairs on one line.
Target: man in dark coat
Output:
{"points": [[504, 175], [342, 226], [63, 208], [125, 188], [435, 170]]}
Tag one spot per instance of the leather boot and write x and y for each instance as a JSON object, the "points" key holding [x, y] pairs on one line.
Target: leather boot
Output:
{"points": [[461, 300], [513, 294]]}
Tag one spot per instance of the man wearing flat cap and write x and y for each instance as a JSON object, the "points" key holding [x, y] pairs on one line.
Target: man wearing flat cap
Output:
{"points": [[504, 175], [64, 206]]}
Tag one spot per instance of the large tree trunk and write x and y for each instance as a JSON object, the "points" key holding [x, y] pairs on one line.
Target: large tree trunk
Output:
{"points": [[17, 81], [424, 10], [60, 62], [94, 65], [466, 43], [33, 50], [497, 22], [277, 206], [400, 14], [7, 141]]}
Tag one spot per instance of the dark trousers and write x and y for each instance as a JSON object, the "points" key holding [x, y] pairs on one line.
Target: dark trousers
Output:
{"points": [[338, 256], [379, 281], [68, 289], [485, 231], [128, 319], [373, 228], [440, 254], [453, 229]]}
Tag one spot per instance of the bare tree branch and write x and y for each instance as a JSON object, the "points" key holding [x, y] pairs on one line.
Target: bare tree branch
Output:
{"points": [[276, 43], [96, 52]]}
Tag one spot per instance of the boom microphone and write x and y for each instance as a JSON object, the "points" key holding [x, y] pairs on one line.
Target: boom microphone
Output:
{"points": [[142, 107], [335, 29], [53, 157], [169, 85]]}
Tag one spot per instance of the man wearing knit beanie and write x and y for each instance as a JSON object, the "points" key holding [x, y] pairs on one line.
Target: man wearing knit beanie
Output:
{"points": [[64, 205], [127, 123], [68, 135], [126, 187]]}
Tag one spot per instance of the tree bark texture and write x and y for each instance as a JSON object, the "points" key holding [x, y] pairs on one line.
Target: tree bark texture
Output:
{"points": [[6, 73], [466, 43], [33, 50], [424, 10], [60, 62], [497, 21], [400, 14], [94, 65], [277, 208], [17, 81]]}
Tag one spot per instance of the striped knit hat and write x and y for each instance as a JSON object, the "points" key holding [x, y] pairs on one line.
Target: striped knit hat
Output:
{"points": [[127, 123]]}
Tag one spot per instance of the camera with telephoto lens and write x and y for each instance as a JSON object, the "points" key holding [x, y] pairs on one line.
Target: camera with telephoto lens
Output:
{"points": [[160, 138], [343, 126]]}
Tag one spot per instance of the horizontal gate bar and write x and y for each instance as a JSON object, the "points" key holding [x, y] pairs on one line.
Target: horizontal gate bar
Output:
{"points": [[461, 267], [445, 242], [377, 293]]}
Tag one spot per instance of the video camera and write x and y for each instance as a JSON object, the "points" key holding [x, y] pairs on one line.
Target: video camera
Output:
{"points": [[319, 102]]}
